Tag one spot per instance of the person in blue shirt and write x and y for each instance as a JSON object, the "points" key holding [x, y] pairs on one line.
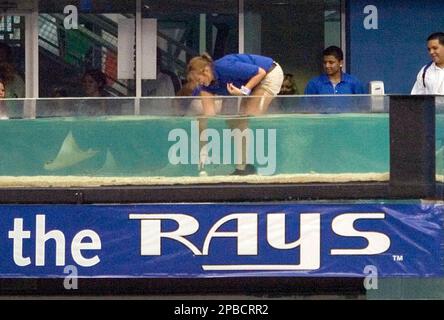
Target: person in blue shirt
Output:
{"points": [[334, 81], [237, 75]]}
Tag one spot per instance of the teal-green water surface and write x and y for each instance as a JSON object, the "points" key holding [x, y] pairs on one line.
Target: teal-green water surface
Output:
{"points": [[139, 146]]}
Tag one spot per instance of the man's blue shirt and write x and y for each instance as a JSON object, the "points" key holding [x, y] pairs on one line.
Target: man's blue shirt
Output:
{"points": [[323, 85], [234, 68]]}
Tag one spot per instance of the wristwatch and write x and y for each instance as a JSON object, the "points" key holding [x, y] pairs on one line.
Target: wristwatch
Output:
{"points": [[245, 91]]}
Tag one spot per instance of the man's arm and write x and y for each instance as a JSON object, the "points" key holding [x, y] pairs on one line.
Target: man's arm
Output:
{"points": [[418, 87]]}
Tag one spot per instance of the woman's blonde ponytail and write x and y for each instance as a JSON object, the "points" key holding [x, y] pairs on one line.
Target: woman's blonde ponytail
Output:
{"points": [[197, 64]]}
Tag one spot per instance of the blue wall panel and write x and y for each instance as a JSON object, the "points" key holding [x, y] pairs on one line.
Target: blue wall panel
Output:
{"points": [[396, 51]]}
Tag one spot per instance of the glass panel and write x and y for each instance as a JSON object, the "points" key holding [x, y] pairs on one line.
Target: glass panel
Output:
{"points": [[101, 141], [297, 38], [184, 29], [12, 55], [419, 288], [78, 55], [84, 107]]}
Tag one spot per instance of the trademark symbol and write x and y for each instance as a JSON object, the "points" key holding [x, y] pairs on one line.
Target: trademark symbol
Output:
{"points": [[398, 258]]}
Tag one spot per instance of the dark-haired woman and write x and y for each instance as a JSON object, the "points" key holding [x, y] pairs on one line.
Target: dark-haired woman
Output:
{"points": [[94, 82], [3, 113]]}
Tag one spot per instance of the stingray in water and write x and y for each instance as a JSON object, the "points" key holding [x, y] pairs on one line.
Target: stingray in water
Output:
{"points": [[69, 155], [110, 166]]}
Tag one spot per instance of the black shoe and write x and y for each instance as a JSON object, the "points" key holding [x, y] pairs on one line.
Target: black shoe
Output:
{"points": [[249, 169]]}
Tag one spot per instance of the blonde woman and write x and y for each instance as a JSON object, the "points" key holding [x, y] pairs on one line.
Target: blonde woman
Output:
{"points": [[237, 75], [246, 75]]}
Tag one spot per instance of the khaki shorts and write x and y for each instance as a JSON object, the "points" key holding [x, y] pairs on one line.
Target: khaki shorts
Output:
{"points": [[273, 80]]}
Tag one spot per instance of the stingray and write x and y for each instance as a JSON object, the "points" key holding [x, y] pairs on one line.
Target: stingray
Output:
{"points": [[69, 155], [109, 166]]}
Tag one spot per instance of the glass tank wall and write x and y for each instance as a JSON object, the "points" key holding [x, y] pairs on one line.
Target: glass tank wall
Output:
{"points": [[114, 141]]}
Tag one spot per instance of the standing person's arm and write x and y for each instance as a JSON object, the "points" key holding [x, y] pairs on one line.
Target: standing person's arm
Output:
{"points": [[208, 103], [254, 81], [250, 85], [418, 87]]}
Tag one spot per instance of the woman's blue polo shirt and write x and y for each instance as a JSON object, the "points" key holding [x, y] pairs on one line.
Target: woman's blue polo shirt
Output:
{"points": [[237, 69]]}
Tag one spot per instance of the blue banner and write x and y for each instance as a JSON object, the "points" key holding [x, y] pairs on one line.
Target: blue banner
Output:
{"points": [[221, 240]]}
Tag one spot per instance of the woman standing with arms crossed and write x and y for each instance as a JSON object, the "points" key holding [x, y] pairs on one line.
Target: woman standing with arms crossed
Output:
{"points": [[237, 75]]}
